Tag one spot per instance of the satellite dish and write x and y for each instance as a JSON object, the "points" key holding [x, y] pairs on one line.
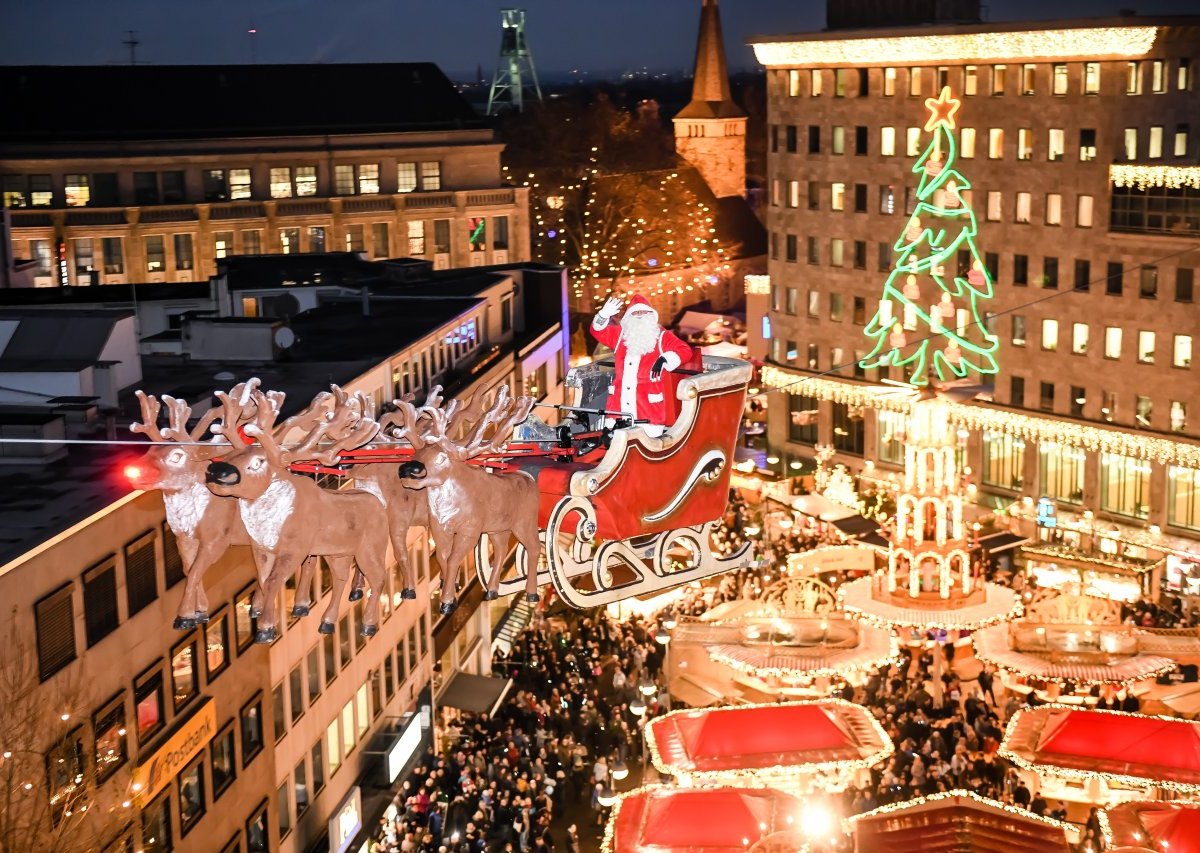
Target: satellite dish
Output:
{"points": [[284, 337]]}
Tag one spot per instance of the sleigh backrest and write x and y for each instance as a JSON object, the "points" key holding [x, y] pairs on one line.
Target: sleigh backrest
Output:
{"points": [[693, 365]]}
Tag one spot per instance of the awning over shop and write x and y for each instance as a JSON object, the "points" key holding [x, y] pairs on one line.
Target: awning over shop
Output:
{"points": [[698, 820], [856, 525], [1004, 541], [958, 821], [481, 694], [1081, 744], [1158, 826]]}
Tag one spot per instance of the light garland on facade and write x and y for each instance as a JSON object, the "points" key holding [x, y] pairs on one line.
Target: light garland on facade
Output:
{"points": [[1144, 177], [931, 49], [983, 417], [1012, 667], [1067, 555], [933, 618], [758, 285], [1087, 775], [905, 805], [775, 775]]}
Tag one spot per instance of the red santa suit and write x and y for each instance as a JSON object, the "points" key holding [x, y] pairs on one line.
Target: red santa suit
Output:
{"points": [[633, 389]]}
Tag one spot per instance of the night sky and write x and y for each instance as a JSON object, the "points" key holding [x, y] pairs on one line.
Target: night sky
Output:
{"points": [[593, 35]]}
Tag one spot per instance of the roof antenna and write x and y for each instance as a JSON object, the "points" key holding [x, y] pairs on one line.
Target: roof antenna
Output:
{"points": [[132, 43]]}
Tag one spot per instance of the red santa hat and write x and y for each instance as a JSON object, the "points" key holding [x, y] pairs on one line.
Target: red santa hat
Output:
{"points": [[640, 304]]}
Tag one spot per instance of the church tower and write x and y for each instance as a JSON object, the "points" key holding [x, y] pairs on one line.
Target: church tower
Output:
{"points": [[710, 132]]}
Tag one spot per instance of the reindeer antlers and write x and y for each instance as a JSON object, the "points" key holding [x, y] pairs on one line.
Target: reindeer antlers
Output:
{"points": [[178, 414], [347, 423], [149, 425], [503, 414]]}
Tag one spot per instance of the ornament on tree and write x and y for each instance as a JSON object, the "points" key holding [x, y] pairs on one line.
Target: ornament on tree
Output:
{"points": [[911, 289], [929, 247]]}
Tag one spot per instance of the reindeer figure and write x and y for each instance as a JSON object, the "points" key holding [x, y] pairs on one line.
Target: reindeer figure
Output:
{"points": [[465, 501], [288, 517], [204, 525]]}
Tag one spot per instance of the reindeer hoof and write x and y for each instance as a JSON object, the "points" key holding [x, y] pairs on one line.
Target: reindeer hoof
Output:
{"points": [[447, 607], [370, 630], [300, 610], [356, 594], [408, 594], [532, 597], [255, 612], [265, 635], [325, 628], [491, 595], [201, 617], [183, 623]]}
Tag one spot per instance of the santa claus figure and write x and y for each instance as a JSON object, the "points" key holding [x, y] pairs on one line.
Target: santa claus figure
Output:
{"points": [[643, 350]]}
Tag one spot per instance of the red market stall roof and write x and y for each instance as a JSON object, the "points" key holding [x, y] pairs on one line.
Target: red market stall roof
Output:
{"points": [[1158, 825], [697, 820], [958, 822], [1129, 748], [753, 740]]}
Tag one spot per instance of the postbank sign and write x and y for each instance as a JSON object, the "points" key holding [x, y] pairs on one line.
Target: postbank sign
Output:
{"points": [[160, 767]]}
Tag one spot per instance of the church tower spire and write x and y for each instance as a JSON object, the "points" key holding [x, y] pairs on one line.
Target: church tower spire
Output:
{"points": [[710, 132]]}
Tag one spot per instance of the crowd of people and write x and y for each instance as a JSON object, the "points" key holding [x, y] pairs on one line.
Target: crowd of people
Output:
{"points": [[535, 775]]}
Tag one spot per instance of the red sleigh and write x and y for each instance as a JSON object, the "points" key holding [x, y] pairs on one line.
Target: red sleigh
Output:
{"points": [[639, 516]]}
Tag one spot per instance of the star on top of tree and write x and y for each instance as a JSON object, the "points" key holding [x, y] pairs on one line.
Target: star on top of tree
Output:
{"points": [[941, 110]]}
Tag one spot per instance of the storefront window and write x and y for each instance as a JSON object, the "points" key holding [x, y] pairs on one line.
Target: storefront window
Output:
{"points": [[1061, 472], [892, 426], [847, 429], [1125, 485], [1003, 460], [1183, 497]]}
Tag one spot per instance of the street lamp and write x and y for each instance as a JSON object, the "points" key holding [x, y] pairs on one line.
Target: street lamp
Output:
{"points": [[638, 706], [619, 770], [668, 621], [663, 636], [647, 687], [606, 797]]}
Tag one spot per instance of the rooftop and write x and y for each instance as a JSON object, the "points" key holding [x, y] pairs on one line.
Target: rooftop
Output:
{"points": [[223, 101]]}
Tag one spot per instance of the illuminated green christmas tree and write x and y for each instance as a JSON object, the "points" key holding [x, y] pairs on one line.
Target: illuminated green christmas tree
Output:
{"points": [[929, 316]]}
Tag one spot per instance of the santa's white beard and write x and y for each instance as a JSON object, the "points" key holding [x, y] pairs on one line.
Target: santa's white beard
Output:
{"points": [[640, 333]]}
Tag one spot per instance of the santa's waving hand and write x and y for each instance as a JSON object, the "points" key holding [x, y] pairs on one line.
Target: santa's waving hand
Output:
{"points": [[643, 350]]}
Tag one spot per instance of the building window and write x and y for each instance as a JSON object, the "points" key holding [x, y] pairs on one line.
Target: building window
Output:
{"points": [[1087, 144], [216, 186], [111, 741], [791, 249], [156, 826], [1148, 282], [499, 232], [406, 177], [431, 175], [1018, 330], [416, 237], [1180, 147], [252, 730], [78, 190], [1059, 79], [100, 601], [141, 582], [257, 839], [815, 83], [839, 140], [814, 251], [223, 763], [1046, 397], [329, 647], [239, 184], [1181, 352], [966, 143], [156, 254], [814, 139], [1049, 335], [1133, 78], [1124, 485], [999, 73], [148, 703], [861, 145], [848, 431], [1053, 209], [184, 259], [343, 180], [885, 256], [1079, 338], [306, 180], [914, 82], [281, 182], [889, 82], [994, 206], [1183, 79], [912, 141], [1028, 78], [1020, 270], [891, 427], [837, 248], [1050, 273], [1183, 497], [55, 618], [1083, 274], [1114, 283], [1178, 416], [860, 198], [244, 626], [145, 188], [191, 796], [1158, 76], [837, 198], [1057, 144], [1108, 408], [1143, 411], [1155, 146], [1083, 211], [1112, 341], [1060, 472], [1003, 460], [223, 243], [216, 644], [1091, 78], [1024, 144], [1130, 143], [811, 361], [379, 240], [185, 680], [1024, 207], [113, 256]]}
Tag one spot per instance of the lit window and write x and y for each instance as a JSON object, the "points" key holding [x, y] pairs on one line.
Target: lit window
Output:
{"points": [[306, 180], [431, 176], [1083, 212], [1146, 347], [79, 193], [793, 83], [239, 184], [1091, 78], [1028, 77], [814, 82], [887, 201], [838, 197], [1018, 330], [416, 237], [1158, 76], [793, 193], [889, 82], [1112, 341], [1024, 144], [1178, 416], [281, 182], [289, 240], [1133, 78], [406, 177], [995, 143], [839, 140], [971, 80], [1143, 411], [837, 252], [1155, 146], [912, 141], [343, 180], [1050, 335], [41, 192], [1079, 338], [1181, 140], [1053, 209], [1124, 485], [1131, 136], [887, 141], [999, 72], [1024, 206], [1057, 144], [1060, 79], [1087, 144], [994, 205], [914, 82], [156, 257], [1182, 353], [967, 142], [1183, 79]]}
